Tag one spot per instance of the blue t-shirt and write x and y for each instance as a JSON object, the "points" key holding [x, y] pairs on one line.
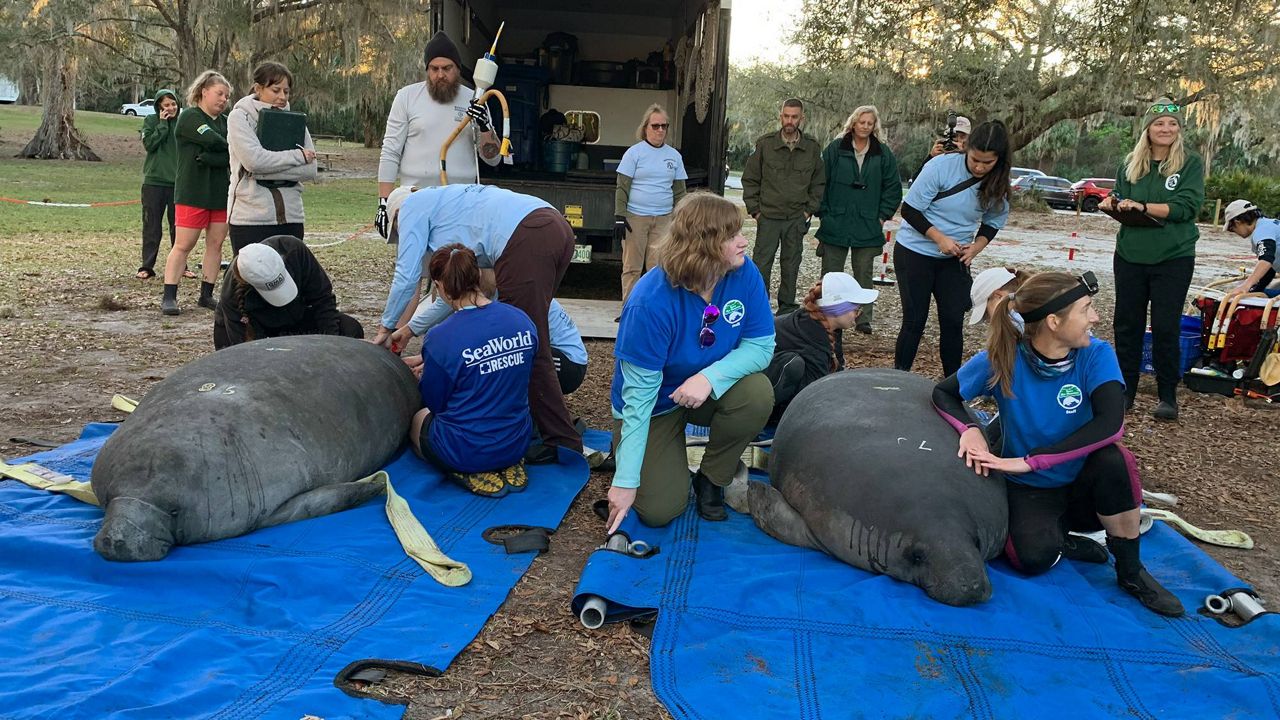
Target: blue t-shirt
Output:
{"points": [[958, 216], [481, 217], [652, 171], [661, 324], [475, 381], [1043, 411], [563, 334]]}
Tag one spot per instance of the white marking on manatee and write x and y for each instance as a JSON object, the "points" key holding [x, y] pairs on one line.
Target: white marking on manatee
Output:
{"points": [[877, 387], [900, 440], [925, 447]]}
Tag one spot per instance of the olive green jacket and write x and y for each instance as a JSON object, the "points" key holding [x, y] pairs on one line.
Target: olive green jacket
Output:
{"points": [[782, 183], [857, 201]]}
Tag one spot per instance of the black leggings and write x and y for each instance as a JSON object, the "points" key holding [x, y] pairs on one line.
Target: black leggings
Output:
{"points": [[1039, 518], [569, 373], [948, 281]]}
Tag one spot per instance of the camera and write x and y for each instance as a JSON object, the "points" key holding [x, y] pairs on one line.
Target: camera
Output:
{"points": [[949, 135]]}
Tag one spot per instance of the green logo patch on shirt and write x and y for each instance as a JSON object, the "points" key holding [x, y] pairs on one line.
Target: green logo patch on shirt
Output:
{"points": [[1070, 397]]}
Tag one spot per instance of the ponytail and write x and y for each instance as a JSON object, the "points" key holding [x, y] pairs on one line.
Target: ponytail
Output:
{"points": [[1002, 342], [810, 305]]}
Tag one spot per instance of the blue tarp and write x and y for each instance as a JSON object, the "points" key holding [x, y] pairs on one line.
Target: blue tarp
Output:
{"points": [[252, 627], [745, 621]]}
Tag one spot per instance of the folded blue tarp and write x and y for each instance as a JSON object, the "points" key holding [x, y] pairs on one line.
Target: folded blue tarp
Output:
{"points": [[258, 626], [746, 622]]}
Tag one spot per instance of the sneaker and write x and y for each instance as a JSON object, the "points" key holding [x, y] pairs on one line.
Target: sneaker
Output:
{"points": [[1165, 411], [515, 478], [485, 484], [169, 306], [1082, 549], [1151, 594]]}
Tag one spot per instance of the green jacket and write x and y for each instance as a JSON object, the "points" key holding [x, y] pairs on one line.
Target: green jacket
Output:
{"points": [[203, 175], [851, 216], [1184, 193], [160, 138], [781, 183]]}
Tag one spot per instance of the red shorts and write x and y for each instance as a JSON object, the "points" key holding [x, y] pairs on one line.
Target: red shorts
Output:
{"points": [[187, 216]]}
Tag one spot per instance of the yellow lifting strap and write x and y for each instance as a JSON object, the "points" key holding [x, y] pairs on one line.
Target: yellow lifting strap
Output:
{"points": [[42, 478]]}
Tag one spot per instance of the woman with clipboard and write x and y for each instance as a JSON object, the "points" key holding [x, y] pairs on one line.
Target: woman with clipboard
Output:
{"points": [[1160, 181], [271, 156]]}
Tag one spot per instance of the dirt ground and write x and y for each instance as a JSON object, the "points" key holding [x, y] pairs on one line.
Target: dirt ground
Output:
{"points": [[82, 328]]}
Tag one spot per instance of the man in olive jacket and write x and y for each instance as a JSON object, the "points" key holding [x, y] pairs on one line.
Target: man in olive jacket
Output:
{"points": [[863, 191], [782, 188]]}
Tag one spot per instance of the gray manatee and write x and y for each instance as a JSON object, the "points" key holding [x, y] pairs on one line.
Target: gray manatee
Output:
{"points": [[865, 470], [250, 436]]}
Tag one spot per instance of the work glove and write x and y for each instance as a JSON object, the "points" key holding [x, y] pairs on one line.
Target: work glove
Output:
{"points": [[382, 221], [476, 111], [620, 227]]}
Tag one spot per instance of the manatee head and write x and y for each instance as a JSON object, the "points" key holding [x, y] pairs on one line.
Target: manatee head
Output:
{"points": [[134, 530], [953, 572]]}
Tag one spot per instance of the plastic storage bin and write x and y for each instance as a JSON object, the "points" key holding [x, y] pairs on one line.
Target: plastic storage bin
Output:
{"points": [[1188, 346]]}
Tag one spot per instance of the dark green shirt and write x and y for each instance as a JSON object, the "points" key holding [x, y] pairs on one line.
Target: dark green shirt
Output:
{"points": [[1184, 193], [203, 176], [160, 138], [781, 182], [858, 199]]}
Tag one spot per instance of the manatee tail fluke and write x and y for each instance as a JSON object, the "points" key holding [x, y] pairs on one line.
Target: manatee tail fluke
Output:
{"points": [[134, 531]]}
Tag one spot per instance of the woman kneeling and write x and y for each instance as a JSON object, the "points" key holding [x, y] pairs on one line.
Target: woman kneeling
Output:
{"points": [[474, 379], [696, 332], [1061, 400]]}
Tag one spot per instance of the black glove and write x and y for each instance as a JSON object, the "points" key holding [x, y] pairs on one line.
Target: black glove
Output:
{"points": [[382, 221], [620, 227], [479, 116]]}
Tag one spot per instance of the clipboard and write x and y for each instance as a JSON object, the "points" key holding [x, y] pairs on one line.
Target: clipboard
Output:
{"points": [[281, 129], [1134, 218]]}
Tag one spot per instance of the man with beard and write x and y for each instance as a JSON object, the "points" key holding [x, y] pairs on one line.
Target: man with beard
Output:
{"points": [[422, 117], [782, 187]]}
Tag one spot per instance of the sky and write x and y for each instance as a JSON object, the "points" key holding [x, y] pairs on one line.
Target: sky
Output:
{"points": [[758, 29]]}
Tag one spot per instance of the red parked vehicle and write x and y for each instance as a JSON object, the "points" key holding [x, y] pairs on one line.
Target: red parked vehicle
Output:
{"points": [[1089, 192]]}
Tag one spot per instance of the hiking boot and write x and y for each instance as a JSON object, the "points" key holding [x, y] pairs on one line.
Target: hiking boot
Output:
{"points": [[710, 498], [515, 477], [1165, 411], [864, 329], [1134, 579], [1083, 549], [169, 302], [484, 484]]}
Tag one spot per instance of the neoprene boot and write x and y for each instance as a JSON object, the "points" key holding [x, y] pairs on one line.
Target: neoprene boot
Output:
{"points": [[1134, 579], [710, 497], [206, 296], [169, 302], [1083, 549], [1168, 407]]}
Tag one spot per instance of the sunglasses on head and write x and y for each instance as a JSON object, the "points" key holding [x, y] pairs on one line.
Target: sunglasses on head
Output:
{"points": [[659, 126], [1164, 108], [707, 336]]}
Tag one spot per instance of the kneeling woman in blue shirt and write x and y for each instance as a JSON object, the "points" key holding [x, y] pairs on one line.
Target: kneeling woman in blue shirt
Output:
{"points": [[1061, 400], [475, 371], [696, 332]]}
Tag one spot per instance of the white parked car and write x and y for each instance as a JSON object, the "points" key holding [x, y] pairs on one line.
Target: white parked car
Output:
{"points": [[142, 109]]}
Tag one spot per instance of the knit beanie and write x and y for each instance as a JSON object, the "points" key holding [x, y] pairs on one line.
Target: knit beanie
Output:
{"points": [[1161, 108], [440, 46]]}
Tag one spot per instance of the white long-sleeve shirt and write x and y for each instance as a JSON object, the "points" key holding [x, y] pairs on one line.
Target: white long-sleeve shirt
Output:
{"points": [[417, 127]]}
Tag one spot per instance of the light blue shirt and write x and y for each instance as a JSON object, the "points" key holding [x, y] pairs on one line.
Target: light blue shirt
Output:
{"points": [[652, 171], [958, 216], [480, 217], [564, 335]]}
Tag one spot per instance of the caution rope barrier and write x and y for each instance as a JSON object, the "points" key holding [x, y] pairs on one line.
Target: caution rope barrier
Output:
{"points": [[352, 236]]}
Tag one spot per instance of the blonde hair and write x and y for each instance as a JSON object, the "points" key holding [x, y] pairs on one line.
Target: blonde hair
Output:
{"points": [[1002, 342], [1138, 162], [204, 80], [877, 132], [690, 253], [648, 115]]}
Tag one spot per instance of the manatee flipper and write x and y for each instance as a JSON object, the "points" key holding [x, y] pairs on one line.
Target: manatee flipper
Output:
{"points": [[774, 515], [327, 499]]}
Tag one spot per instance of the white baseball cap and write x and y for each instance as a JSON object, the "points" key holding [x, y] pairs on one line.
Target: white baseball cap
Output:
{"points": [[1234, 210], [963, 125], [263, 268], [838, 288], [394, 201], [987, 282]]}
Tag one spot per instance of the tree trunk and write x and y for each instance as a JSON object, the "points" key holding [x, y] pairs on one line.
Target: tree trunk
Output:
{"points": [[57, 137]]}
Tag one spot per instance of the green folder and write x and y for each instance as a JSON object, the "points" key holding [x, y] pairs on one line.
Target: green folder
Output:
{"points": [[281, 129]]}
